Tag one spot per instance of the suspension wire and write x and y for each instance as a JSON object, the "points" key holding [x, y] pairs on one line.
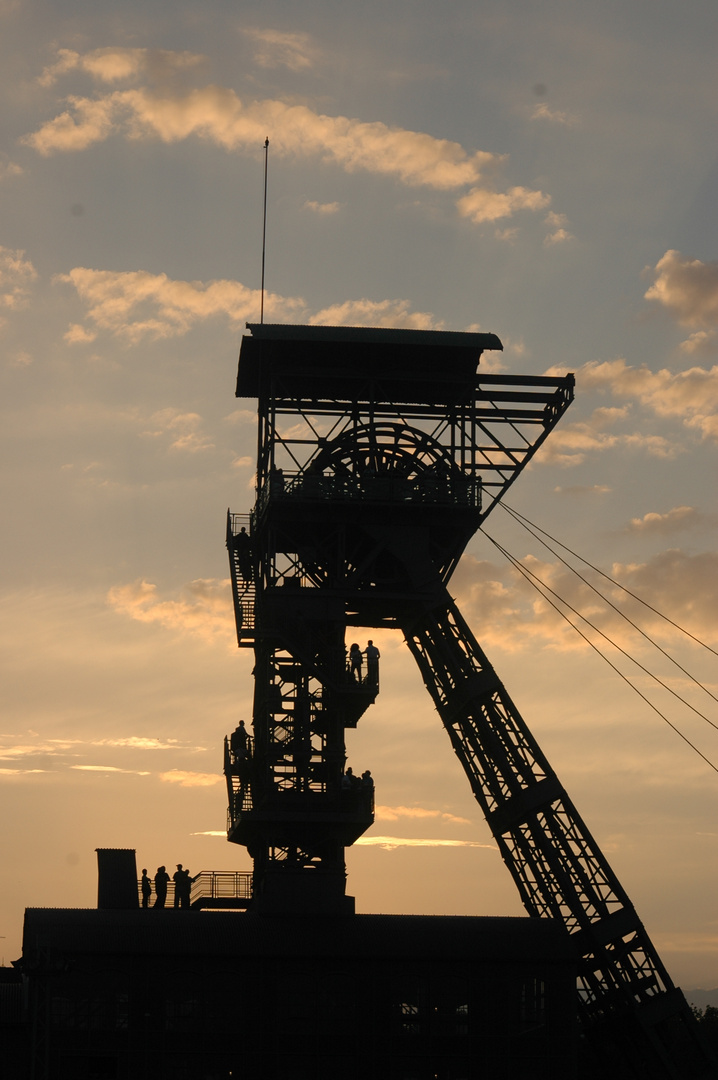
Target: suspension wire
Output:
{"points": [[521, 519], [529, 526], [528, 576], [593, 626]]}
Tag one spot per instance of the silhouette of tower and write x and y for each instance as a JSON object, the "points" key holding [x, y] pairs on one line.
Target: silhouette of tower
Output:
{"points": [[380, 453]]}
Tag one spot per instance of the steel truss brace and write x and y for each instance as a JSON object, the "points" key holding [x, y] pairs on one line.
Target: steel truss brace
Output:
{"points": [[556, 864]]}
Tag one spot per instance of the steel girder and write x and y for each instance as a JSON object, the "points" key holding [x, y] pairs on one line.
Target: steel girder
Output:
{"points": [[627, 1001]]}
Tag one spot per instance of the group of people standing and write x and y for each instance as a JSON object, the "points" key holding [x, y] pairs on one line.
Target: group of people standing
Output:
{"points": [[356, 660], [182, 883]]}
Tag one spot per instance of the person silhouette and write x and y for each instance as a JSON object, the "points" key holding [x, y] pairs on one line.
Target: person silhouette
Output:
{"points": [[355, 662], [238, 742], [161, 881], [243, 547], [372, 663], [146, 889]]}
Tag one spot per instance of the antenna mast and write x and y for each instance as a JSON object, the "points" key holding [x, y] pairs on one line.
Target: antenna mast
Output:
{"points": [[264, 225]]}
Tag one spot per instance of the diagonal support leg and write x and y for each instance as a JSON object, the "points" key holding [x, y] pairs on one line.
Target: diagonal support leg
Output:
{"points": [[626, 997]]}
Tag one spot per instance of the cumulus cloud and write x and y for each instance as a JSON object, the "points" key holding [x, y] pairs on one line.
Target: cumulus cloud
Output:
{"points": [[79, 335], [205, 608], [510, 613], [183, 429], [275, 48], [675, 520], [554, 116], [390, 843], [217, 114], [571, 443], [687, 288], [481, 204], [700, 341], [559, 233], [112, 65], [16, 275], [365, 312], [690, 396], [135, 305]]}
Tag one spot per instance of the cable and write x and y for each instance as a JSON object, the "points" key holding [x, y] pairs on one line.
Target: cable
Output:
{"points": [[660, 614], [525, 523], [588, 622], [525, 573]]}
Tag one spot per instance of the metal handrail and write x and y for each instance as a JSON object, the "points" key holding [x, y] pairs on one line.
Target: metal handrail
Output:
{"points": [[210, 885]]}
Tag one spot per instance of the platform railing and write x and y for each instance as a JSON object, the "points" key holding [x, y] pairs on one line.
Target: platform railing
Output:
{"points": [[211, 888]]}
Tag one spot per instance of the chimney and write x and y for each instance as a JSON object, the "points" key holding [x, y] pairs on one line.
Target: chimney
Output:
{"points": [[116, 879]]}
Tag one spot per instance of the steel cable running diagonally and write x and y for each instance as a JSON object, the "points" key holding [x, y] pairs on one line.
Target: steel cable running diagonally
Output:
{"points": [[559, 603]]}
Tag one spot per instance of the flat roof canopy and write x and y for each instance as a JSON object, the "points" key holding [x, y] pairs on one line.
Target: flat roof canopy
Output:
{"points": [[431, 366]]}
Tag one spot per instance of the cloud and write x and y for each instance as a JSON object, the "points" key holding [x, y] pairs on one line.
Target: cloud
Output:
{"points": [[183, 429], [79, 335], [690, 396], [190, 779], [20, 772], [135, 304], [108, 769], [8, 169], [558, 223], [554, 116], [217, 114], [701, 341], [393, 813], [16, 275], [570, 443], [390, 843], [687, 288], [205, 609], [375, 313], [675, 520], [481, 205], [274, 48], [510, 613], [321, 208], [584, 489], [111, 65]]}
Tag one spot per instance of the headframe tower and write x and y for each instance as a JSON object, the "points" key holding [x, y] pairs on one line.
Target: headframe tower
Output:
{"points": [[380, 453]]}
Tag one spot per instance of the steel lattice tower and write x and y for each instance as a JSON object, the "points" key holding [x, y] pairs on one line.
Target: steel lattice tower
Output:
{"points": [[380, 453]]}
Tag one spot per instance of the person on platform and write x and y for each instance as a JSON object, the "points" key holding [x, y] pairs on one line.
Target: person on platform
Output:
{"points": [[161, 882], [355, 662], [372, 663], [243, 547], [238, 742], [145, 889], [183, 886]]}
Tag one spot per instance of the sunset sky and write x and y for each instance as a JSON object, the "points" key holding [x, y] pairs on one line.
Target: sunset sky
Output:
{"points": [[546, 172]]}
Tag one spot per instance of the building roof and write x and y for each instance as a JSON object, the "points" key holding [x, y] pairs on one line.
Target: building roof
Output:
{"points": [[169, 932], [429, 366]]}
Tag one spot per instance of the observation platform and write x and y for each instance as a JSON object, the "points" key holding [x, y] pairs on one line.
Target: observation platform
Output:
{"points": [[228, 890]]}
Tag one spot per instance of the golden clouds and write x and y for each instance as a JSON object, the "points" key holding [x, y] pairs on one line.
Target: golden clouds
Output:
{"points": [[481, 205], [687, 288], [690, 396], [16, 275], [205, 608]]}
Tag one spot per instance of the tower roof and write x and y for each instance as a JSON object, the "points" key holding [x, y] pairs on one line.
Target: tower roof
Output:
{"points": [[429, 366]]}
